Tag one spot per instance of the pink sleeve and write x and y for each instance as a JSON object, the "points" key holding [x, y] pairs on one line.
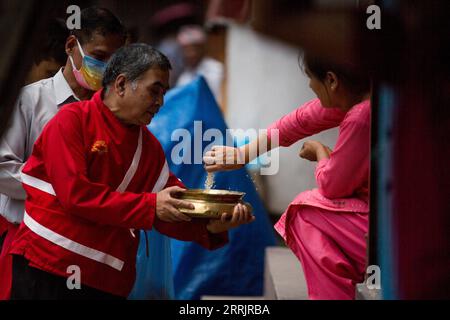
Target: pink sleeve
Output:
{"points": [[308, 119], [347, 168]]}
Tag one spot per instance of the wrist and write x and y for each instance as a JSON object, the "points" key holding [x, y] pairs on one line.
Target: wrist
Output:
{"points": [[321, 152]]}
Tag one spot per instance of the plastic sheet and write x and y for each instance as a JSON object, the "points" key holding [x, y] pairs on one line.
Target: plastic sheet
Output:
{"points": [[237, 268], [154, 279]]}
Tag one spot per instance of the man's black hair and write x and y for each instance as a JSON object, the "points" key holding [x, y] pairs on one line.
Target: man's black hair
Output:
{"points": [[101, 20]]}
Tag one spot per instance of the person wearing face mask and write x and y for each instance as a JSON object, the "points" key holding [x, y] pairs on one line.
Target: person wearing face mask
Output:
{"points": [[88, 49], [88, 192]]}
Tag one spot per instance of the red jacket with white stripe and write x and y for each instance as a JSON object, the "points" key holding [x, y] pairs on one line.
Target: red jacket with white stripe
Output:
{"points": [[90, 180]]}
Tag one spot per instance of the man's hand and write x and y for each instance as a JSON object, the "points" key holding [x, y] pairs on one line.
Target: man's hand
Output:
{"points": [[314, 151], [166, 206], [240, 215], [221, 158]]}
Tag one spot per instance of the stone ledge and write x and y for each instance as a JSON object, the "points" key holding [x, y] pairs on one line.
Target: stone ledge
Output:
{"points": [[283, 276]]}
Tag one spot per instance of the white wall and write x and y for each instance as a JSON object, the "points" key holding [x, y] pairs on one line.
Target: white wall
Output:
{"points": [[264, 83]]}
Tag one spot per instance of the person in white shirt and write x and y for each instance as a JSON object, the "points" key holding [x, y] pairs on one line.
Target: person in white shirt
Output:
{"points": [[193, 42], [88, 49]]}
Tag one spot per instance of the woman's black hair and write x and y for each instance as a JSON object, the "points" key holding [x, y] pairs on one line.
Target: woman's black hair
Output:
{"points": [[354, 80]]}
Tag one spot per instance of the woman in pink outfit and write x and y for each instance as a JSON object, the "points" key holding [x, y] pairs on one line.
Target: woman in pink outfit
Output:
{"points": [[324, 227]]}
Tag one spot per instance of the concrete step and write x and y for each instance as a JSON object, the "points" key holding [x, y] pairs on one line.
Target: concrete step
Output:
{"points": [[364, 293], [283, 276]]}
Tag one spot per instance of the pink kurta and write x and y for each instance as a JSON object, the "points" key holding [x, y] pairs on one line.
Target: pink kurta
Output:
{"points": [[326, 227]]}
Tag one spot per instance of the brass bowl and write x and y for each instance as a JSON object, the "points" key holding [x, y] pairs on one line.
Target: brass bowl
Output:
{"points": [[211, 203]]}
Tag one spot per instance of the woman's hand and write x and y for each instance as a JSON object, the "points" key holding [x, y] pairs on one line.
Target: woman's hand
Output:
{"points": [[240, 215], [314, 151], [221, 158]]}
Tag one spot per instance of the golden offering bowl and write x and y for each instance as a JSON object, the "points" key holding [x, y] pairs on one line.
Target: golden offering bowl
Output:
{"points": [[211, 203]]}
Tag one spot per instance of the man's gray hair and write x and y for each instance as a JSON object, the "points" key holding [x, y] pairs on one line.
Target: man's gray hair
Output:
{"points": [[132, 61]]}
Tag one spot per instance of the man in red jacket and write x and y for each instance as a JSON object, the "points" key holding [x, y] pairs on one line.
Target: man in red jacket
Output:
{"points": [[87, 51], [95, 176]]}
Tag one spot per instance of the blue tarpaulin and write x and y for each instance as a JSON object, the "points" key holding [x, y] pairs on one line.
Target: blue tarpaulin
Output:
{"points": [[154, 279], [237, 268]]}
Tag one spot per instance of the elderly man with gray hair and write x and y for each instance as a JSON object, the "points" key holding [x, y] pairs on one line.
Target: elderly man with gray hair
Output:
{"points": [[96, 175]]}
